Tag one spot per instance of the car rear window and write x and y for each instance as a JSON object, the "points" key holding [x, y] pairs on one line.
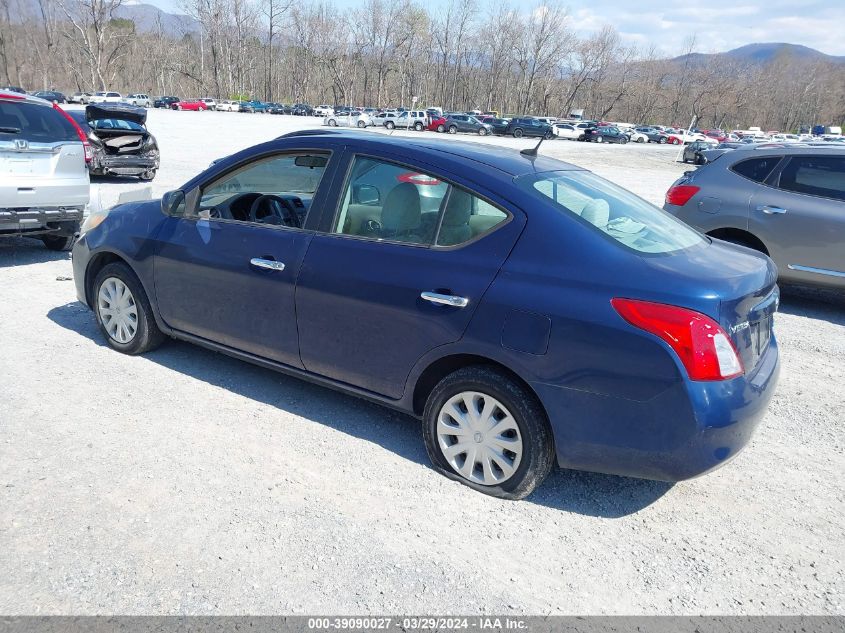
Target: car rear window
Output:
{"points": [[756, 169], [816, 176], [34, 123], [616, 212]]}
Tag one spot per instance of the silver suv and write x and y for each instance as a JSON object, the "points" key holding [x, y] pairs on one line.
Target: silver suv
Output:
{"points": [[787, 201], [44, 183]]}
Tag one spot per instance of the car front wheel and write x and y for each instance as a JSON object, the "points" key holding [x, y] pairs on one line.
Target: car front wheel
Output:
{"points": [[662, 140], [482, 131], [483, 429], [517, 133], [361, 124], [453, 129], [599, 139], [441, 129], [123, 311], [418, 126]]}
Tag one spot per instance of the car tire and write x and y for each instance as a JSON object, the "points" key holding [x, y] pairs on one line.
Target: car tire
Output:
{"points": [[599, 139], [146, 335], [453, 129], [675, 141], [58, 242], [482, 131], [517, 133], [148, 175], [418, 126], [581, 138], [623, 140], [389, 125], [530, 432], [361, 124], [332, 123], [549, 136], [640, 140], [441, 129], [662, 140]]}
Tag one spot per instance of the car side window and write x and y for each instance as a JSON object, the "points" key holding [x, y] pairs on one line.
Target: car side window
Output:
{"points": [[756, 169], [277, 190], [390, 202], [815, 175]]}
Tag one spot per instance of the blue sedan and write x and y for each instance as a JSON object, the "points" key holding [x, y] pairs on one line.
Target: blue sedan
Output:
{"points": [[527, 311]]}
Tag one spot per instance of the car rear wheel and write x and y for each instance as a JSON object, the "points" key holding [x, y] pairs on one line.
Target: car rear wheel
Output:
{"points": [[418, 126], [361, 124], [332, 123], [549, 136], [441, 129], [483, 429], [599, 139], [123, 311], [517, 133], [675, 141], [662, 140], [390, 125], [623, 140], [453, 129]]}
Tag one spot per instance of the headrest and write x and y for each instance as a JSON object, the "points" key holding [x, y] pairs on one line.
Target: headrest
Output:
{"points": [[401, 210], [597, 212], [458, 209]]}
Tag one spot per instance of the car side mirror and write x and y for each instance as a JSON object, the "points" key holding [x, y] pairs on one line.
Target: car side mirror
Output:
{"points": [[173, 203], [365, 194]]}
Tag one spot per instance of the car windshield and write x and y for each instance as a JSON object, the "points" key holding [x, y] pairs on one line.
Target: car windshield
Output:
{"points": [[618, 213], [116, 124]]}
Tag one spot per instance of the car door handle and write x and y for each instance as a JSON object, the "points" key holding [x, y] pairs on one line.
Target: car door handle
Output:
{"points": [[446, 300], [771, 210], [269, 264]]}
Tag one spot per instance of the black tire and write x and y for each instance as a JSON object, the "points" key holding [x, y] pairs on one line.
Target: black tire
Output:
{"points": [[361, 124], [640, 140], [332, 123], [581, 138], [662, 140], [147, 335], [482, 131], [441, 129], [517, 133], [538, 445], [623, 140], [549, 136], [453, 129], [389, 125], [418, 126], [599, 139], [58, 242]]}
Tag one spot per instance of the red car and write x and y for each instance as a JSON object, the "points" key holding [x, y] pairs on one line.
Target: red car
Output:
{"points": [[438, 124], [189, 104], [719, 135]]}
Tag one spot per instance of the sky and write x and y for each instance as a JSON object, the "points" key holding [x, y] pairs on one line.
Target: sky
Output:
{"points": [[718, 25]]}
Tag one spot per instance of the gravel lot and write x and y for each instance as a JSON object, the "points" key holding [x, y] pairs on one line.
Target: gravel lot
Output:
{"points": [[185, 482]]}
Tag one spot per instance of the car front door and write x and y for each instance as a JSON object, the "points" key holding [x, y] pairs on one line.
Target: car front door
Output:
{"points": [[801, 219], [402, 266], [226, 265]]}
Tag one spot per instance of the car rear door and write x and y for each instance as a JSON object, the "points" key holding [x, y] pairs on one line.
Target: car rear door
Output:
{"points": [[801, 219], [375, 293]]}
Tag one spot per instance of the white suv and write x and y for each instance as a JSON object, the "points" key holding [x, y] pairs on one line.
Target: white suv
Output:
{"points": [[210, 103], [105, 97], [44, 183], [323, 110], [140, 100]]}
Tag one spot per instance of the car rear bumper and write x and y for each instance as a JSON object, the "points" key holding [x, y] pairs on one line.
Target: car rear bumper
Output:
{"points": [[685, 432], [39, 219], [128, 165]]}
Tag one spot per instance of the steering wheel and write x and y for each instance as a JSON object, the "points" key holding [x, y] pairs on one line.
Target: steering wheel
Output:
{"points": [[265, 206]]}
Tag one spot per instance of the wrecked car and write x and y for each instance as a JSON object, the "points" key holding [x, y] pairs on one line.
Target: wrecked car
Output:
{"points": [[121, 143]]}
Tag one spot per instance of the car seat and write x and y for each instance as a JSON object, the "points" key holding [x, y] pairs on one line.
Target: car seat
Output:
{"points": [[455, 227], [401, 214]]}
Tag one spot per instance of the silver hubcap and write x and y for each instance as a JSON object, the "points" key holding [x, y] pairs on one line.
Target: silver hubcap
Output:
{"points": [[117, 310], [479, 438]]}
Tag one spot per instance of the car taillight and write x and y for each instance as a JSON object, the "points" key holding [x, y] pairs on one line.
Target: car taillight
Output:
{"points": [[679, 195], [701, 344], [89, 153], [417, 179]]}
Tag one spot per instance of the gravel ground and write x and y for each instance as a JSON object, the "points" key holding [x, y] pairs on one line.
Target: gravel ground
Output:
{"points": [[185, 482]]}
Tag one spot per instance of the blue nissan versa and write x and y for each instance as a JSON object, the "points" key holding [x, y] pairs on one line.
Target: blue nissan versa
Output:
{"points": [[527, 310]]}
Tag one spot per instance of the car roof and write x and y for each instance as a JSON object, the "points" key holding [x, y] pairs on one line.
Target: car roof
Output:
{"points": [[20, 97], [506, 160], [787, 148]]}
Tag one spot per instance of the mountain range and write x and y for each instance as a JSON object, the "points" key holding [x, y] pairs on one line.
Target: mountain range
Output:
{"points": [[763, 53]]}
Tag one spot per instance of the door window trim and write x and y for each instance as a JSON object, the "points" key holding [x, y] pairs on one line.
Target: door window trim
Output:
{"points": [[433, 246], [784, 164], [194, 196]]}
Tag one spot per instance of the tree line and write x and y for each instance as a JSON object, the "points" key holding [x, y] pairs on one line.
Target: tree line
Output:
{"points": [[461, 56]]}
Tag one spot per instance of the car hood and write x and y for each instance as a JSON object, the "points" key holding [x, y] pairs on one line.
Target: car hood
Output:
{"points": [[96, 111]]}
